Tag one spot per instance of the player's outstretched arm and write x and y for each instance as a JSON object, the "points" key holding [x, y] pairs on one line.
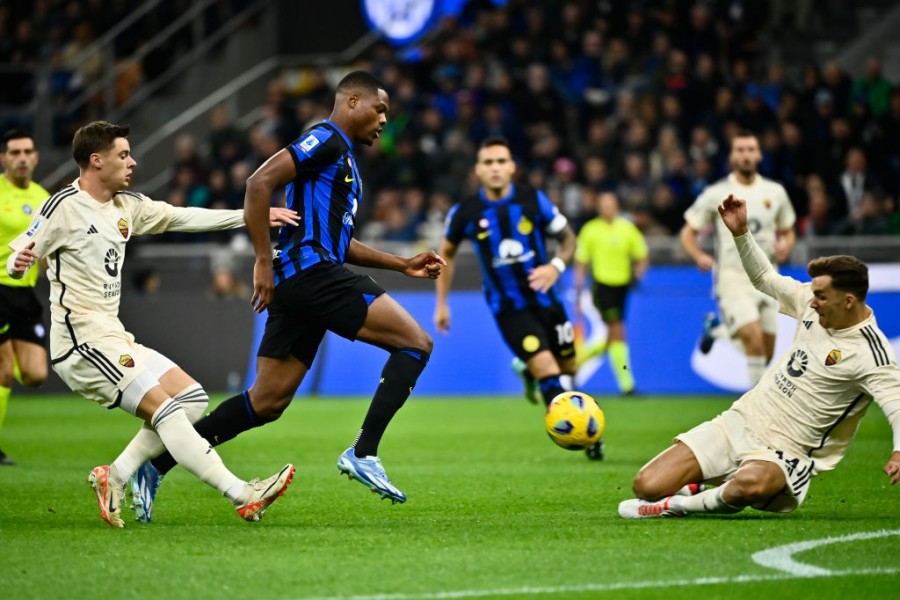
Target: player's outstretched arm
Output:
{"points": [[427, 264]]}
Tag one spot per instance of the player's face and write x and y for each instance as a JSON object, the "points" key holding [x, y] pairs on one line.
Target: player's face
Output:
{"points": [[370, 116], [495, 167], [830, 304], [19, 160], [745, 155], [117, 165]]}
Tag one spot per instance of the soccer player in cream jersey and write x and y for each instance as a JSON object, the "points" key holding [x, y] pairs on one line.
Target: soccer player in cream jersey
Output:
{"points": [[800, 418], [750, 317], [82, 231]]}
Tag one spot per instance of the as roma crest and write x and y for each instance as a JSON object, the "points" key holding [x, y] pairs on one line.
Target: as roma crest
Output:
{"points": [[126, 361], [834, 357], [123, 228]]}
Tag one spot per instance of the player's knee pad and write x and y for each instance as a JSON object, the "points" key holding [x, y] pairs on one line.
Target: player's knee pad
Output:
{"points": [[136, 390]]}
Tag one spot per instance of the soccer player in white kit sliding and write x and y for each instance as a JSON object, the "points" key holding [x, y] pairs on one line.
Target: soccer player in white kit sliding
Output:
{"points": [[800, 418], [82, 231]]}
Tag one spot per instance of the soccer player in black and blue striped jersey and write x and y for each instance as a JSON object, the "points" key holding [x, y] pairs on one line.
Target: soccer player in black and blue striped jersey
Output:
{"points": [[509, 225], [308, 290]]}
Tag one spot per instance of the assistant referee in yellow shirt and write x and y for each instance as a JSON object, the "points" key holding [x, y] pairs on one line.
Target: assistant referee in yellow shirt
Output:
{"points": [[23, 353], [616, 252]]}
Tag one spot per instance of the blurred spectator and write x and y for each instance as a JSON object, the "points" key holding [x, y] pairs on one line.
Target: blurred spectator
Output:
{"points": [[818, 216], [851, 184], [227, 144], [874, 88]]}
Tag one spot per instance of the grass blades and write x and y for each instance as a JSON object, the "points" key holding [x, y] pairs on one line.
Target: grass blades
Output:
{"points": [[495, 510]]}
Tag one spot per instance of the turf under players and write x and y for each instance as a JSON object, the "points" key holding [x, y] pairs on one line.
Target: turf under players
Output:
{"points": [[82, 231], [803, 414]]}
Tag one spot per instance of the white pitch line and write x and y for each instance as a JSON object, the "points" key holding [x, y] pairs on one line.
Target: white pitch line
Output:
{"points": [[781, 557], [603, 587]]}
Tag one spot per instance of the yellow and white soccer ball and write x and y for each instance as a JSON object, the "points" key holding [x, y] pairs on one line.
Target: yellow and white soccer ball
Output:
{"points": [[574, 421]]}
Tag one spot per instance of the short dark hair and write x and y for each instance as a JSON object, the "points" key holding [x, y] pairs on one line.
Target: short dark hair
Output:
{"points": [[743, 133], [13, 134], [848, 273], [495, 140], [360, 81], [97, 136]]}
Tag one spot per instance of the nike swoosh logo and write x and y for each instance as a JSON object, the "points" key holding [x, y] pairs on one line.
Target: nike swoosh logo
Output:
{"points": [[348, 178]]}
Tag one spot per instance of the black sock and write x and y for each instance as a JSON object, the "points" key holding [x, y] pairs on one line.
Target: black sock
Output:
{"points": [[550, 388], [232, 417], [397, 381]]}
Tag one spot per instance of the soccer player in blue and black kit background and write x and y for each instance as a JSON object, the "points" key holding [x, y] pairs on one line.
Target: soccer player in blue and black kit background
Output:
{"points": [[508, 224], [308, 290]]}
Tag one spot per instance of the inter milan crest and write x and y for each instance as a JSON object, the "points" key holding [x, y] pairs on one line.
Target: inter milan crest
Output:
{"points": [[123, 228], [126, 361], [833, 358]]}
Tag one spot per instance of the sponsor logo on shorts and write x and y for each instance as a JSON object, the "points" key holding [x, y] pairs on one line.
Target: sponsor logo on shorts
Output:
{"points": [[530, 343], [126, 361], [833, 358]]}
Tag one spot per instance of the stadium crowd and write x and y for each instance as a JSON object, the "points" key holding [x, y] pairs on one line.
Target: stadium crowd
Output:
{"points": [[637, 97]]}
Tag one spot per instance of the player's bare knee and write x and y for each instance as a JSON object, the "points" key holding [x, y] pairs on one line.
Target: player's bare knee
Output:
{"points": [[749, 487], [34, 379], [269, 406], [646, 485]]}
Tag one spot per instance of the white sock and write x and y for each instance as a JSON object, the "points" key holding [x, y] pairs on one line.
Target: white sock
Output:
{"points": [[146, 443], [190, 450], [709, 501], [756, 368]]}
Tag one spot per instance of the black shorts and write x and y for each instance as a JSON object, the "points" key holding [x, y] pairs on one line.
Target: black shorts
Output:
{"points": [[610, 301], [324, 297], [20, 316], [534, 330]]}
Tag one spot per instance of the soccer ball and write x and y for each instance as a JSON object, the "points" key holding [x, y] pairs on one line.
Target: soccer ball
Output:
{"points": [[574, 421]]}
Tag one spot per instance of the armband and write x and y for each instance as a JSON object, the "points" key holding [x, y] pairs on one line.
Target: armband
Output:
{"points": [[558, 264]]}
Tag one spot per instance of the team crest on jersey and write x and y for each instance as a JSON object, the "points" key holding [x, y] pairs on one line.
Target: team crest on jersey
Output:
{"points": [[767, 203], [123, 228], [833, 358], [126, 361], [27, 209], [525, 226]]}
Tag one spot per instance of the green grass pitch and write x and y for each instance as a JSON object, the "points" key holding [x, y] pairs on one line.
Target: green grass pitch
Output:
{"points": [[495, 510]]}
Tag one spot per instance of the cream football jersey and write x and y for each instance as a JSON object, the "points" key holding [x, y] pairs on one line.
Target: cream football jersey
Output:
{"points": [[811, 400], [769, 210], [84, 242]]}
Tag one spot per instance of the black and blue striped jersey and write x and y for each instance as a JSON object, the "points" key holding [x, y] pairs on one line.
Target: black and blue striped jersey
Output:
{"points": [[509, 236], [326, 193]]}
